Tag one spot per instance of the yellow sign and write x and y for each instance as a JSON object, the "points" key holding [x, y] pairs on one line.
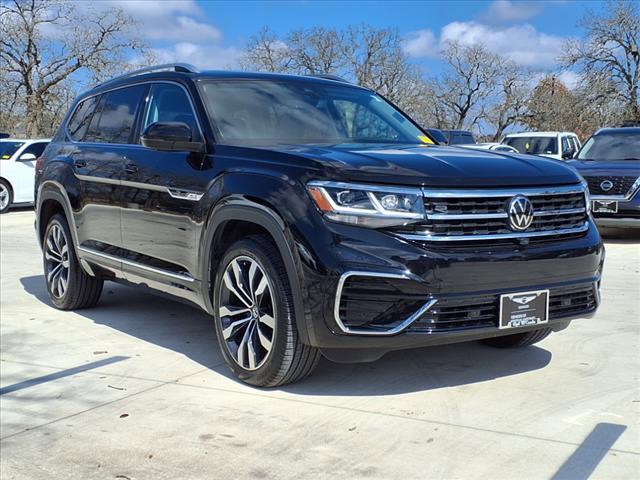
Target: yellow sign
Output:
{"points": [[425, 139]]}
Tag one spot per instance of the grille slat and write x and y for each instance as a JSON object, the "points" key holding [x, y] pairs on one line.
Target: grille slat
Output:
{"points": [[621, 185], [484, 216]]}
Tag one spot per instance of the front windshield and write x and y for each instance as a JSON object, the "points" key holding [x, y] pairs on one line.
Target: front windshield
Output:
{"points": [[298, 112], [612, 146], [534, 145], [7, 149]]}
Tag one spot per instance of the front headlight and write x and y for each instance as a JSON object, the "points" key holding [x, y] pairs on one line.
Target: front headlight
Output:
{"points": [[368, 205]]}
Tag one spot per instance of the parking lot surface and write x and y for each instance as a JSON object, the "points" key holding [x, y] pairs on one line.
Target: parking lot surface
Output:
{"points": [[137, 389]]}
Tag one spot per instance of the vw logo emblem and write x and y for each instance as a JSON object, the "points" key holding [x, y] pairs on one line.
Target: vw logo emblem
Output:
{"points": [[520, 213], [606, 185]]}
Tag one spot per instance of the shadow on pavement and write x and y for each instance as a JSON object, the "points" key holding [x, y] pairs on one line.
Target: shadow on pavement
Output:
{"points": [[190, 331], [591, 451]]}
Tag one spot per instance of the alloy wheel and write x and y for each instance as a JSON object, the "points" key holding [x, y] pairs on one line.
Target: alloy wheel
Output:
{"points": [[4, 197], [247, 312], [57, 261]]}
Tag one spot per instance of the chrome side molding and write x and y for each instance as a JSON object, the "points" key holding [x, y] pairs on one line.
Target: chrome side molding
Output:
{"points": [[124, 261]]}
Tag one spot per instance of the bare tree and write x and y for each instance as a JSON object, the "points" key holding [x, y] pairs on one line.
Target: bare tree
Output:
{"points": [[468, 83], [365, 55], [611, 48], [512, 95], [43, 43]]}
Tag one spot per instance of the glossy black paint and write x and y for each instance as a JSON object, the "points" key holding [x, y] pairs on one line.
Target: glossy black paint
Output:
{"points": [[132, 204]]}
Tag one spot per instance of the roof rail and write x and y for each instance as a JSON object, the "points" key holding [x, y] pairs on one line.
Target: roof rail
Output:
{"points": [[165, 67], [327, 76]]}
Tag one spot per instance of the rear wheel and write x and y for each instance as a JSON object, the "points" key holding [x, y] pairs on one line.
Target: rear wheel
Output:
{"points": [[254, 316], [6, 197], [518, 339], [69, 287]]}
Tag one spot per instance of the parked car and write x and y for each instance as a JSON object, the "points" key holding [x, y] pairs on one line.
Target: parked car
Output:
{"points": [[438, 136], [499, 147], [458, 137], [308, 218], [610, 163], [558, 145], [17, 170]]}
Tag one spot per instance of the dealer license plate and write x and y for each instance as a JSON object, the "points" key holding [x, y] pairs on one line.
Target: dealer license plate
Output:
{"points": [[524, 309], [604, 206]]}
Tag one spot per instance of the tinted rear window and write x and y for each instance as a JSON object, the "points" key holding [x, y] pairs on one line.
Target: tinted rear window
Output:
{"points": [[461, 139], [79, 121], [114, 122], [534, 145]]}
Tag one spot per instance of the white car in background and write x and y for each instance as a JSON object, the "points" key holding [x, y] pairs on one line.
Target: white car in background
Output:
{"points": [[558, 145], [499, 147], [17, 170]]}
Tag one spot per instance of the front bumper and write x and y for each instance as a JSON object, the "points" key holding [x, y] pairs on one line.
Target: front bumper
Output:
{"points": [[437, 275]]}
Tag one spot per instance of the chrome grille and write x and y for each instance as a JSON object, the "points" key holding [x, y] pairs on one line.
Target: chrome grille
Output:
{"points": [[465, 215], [620, 185]]}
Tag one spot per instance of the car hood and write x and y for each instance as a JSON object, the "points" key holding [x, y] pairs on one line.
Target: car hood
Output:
{"points": [[433, 165], [605, 168]]}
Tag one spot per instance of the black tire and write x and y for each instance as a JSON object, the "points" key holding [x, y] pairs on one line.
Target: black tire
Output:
{"points": [[5, 189], [80, 289], [518, 340], [288, 360]]}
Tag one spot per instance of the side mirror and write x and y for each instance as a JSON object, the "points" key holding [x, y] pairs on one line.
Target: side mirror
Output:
{"points": [[568, 154], [27, 157], [170, 137]]}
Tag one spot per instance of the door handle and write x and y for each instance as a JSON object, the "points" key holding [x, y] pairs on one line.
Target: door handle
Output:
{"points": [[131, 168], [79, 163]]}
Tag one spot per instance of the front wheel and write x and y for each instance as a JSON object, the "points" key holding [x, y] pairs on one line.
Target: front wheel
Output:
{"points": [[254, 316], [6, 197], [518, 339], [69, 287]]}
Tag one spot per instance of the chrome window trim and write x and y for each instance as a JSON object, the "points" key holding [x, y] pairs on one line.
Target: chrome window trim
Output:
{"points": [[380, 333], [499, 236], [144, 106], [124, 261]]}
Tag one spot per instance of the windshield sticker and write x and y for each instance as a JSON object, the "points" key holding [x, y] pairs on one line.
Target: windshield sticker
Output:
{"points": [[4, 157], [425, 139]]}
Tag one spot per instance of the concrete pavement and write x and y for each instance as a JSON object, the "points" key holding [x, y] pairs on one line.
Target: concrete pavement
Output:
{"points": [[136, 389]]}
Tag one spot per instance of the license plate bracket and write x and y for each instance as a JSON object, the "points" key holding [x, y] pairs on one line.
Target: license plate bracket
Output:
{"points": [[604, 206], [524, 309]]}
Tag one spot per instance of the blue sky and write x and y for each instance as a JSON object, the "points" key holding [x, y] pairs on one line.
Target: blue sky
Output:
{"points": [[213, 34]]}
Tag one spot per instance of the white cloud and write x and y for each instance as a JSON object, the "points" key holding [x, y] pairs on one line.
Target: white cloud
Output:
{"points": [[569, 78], [202, 56], [167, 20], [521, 43], [507, 11], [421, 43]]}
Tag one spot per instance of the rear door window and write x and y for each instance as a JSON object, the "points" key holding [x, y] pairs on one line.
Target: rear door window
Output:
{"points": [[79, 121], [115, 121]]}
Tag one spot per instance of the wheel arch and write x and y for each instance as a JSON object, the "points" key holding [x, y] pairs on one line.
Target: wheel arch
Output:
{"points": [[236, 218]]}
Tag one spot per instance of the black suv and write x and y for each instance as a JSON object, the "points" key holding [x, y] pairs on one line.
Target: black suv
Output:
{"points": [[610, 163], [309, 217]]}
